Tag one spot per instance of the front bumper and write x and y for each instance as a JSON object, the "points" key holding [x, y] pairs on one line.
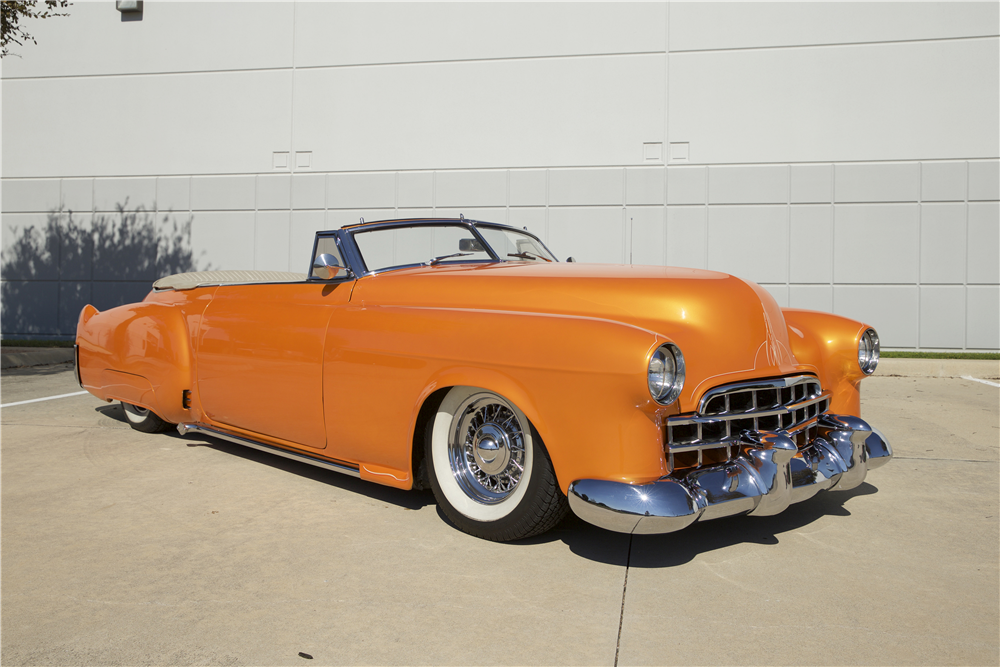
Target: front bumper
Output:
{"points": [[767, 476]]}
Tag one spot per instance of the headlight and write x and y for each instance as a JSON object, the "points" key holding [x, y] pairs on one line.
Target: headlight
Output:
{"points": [[666, 374], [868, 351]]}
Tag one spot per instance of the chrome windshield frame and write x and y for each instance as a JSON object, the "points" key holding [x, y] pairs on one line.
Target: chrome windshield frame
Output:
{"points": [[355, 260]]}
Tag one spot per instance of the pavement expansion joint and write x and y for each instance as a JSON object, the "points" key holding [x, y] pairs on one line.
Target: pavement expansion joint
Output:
{"points": [[621, 616]]}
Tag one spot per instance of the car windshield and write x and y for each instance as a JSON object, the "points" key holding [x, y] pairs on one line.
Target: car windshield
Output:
{"points": [[393, 247], [512, 245]]}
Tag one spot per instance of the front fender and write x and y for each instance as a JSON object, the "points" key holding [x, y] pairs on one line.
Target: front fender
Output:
{"points": [[829, 343], [581, 381]]}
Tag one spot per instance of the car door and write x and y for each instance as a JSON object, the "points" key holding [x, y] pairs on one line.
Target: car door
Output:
{"points": [[260, 356]]}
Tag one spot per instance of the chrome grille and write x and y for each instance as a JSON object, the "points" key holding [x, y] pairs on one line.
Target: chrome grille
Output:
{"points": [[710, 435]]}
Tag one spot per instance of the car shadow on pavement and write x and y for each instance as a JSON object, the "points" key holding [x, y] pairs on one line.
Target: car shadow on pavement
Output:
{"points": [[412, 500], [683, 546], [583, 539], [672, 549], [113, 411]]}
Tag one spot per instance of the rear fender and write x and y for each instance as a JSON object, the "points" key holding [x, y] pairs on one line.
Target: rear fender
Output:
{"points": [[138, 353]]}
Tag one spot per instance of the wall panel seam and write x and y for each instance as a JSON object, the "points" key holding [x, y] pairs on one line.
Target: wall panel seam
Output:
{"points": [[572, 56], [920, 233], [515, 168], [788, 235], [546, 239], [708, 221], [293, 67], [626, 222], [833, 237], [965, 277], [666, 136], [506, 211], [826, 45]]}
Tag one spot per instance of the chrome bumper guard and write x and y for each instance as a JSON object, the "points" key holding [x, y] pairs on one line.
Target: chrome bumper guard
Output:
{"points": [[767, 476]]}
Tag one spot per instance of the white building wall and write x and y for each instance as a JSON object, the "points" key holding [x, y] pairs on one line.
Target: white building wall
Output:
{"points": [[844, 155]]}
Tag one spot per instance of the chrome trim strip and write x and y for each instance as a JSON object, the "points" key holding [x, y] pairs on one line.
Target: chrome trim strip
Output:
{"points": [[734, 440], [754, 384], [225, 284], [768, 475], [730, 416], [184, 429]]}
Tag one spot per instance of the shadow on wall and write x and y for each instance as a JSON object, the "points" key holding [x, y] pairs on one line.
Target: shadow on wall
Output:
{"points": [[50, 272]]}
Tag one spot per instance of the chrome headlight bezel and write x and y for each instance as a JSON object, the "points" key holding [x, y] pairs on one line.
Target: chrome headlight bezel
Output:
{"points": [[868, 351], [665, 374]]}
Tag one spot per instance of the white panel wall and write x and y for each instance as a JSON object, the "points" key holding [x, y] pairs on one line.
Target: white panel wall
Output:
{"points": [[217, 122], [838, 103], [706, 26], [95, 40], [844, 155], [388, 33], [566, 111]]}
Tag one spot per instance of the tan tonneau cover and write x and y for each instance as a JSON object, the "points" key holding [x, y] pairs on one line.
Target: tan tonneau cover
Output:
{"points": [[182, 281]]}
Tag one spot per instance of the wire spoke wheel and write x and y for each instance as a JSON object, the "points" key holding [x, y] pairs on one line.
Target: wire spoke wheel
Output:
{"points": [[489, 469], [486, 448]]}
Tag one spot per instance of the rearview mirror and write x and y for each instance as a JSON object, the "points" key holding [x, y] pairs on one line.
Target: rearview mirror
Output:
{"points": [[470, 245], [327, 267]]}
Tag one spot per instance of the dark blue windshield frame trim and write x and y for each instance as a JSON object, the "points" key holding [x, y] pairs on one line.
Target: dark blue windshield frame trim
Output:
{"points": [[352, 255]]}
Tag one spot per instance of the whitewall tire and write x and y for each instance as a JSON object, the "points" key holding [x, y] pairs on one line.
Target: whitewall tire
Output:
{"points": [[488, 468], [143, 419]]}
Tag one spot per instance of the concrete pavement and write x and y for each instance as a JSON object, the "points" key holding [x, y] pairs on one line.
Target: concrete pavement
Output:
{"points": [[16, 357], [125, 548], [979, 368]]}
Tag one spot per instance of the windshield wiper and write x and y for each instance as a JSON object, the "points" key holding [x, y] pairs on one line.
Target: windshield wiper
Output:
{"points": [[444, 257], [527, 255]]}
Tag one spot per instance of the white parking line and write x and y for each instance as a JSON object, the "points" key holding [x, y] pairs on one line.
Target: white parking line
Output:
{"points": [[969, 377], [47, 398]]}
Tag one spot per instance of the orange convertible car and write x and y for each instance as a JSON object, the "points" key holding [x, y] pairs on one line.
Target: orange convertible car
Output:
{"points": [[462, 356]]}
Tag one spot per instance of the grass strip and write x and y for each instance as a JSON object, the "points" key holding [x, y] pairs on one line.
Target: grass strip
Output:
{"points": [[905, 354]]}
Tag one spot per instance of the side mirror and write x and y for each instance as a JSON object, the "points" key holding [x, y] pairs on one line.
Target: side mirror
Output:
{"points": [[470, 245], [571, 259], [327, 267]]}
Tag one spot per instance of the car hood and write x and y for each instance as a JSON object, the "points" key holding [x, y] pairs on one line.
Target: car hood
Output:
{"points": [[725, 326]]}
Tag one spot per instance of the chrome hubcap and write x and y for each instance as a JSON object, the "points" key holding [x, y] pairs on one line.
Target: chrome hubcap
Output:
{"points": [[491, 449], [486, 448]]}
